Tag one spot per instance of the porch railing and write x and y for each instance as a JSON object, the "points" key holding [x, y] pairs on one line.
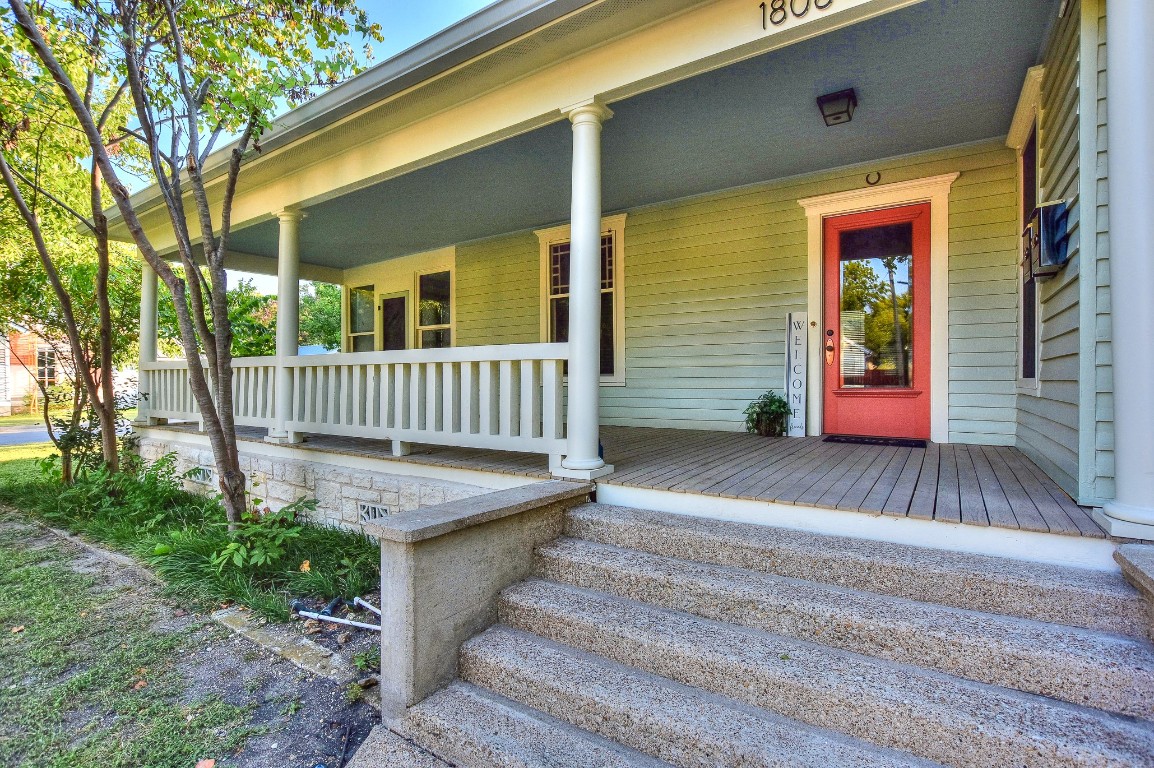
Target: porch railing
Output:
{"points": [[506, 397], [253, 391]]}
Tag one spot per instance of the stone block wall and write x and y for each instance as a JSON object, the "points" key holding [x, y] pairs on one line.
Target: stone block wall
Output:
{"points": [[339, 490]]}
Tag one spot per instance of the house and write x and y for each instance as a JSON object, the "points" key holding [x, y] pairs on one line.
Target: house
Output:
{"points": [[26, 361], [570, 237]]}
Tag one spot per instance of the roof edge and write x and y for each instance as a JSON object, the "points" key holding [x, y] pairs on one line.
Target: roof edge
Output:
{"points": [[487, 29]]}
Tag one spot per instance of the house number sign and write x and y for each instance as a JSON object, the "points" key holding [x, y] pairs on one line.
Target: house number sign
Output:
{"points": [[777, 12]]}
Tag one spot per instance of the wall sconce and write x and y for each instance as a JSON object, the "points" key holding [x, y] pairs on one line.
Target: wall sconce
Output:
{"points": [[837, 108]]}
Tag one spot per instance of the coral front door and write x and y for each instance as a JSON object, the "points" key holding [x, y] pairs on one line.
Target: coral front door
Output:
{"points": [[876, 333]]}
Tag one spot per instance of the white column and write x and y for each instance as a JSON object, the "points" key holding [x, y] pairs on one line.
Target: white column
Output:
{"points": [[148, 332], [1130, 136], [583, 418], [287, 320]]}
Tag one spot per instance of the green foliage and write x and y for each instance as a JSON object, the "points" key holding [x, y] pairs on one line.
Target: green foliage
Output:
{"points": [[767, 412], [252, 315], [368, 661], [260, 538], [320, 315], [77, 433], [145, 511]]}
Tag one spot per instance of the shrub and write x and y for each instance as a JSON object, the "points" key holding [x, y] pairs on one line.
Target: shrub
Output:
{"points": [[767, 415], [145, 511]]}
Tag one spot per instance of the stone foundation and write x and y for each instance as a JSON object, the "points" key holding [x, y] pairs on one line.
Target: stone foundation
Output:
{"points": [[339, 490]]}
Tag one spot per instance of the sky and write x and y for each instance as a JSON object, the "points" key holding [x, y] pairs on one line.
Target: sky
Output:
{"points": [[404, 23]]}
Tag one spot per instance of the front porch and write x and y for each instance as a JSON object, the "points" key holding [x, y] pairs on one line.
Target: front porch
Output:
{"points": [[986, 486]]}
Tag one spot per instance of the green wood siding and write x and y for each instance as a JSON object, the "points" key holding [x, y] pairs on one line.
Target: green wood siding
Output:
{"points": [[1048, 422], [498, 290], [710, 280]]}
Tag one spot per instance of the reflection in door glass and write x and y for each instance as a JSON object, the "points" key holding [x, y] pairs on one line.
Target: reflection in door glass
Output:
{"points": [[877, 306]]}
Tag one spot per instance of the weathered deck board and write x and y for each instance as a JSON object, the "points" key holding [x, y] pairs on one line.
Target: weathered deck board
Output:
{"points": [[973, 506], [975, 485], [926, 490], [998, 509], [755, 473], [882, 488], [948, 506], [900, 497]]}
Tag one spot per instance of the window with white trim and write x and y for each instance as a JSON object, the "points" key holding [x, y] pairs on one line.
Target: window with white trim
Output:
{"points": [[555, 270], [46, 366], [434, 310], [362, 335]]}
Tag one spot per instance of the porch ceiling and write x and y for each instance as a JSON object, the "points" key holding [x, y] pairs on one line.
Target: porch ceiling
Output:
{"points": [[936, 74]]}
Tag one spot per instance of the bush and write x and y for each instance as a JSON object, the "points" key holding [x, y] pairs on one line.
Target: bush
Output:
{"points": [[268, 559], [767, 415]]}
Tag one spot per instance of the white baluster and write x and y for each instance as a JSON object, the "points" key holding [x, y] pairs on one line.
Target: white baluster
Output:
{"points": [[530, 399], [451, 397]]}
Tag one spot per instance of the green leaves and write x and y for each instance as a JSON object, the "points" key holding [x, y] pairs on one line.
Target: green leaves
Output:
{"points": [[251, 314], [261, 539], [320, 315]]}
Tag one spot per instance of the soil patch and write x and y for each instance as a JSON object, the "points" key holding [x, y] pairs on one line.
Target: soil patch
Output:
{"points": [[97, 667]]}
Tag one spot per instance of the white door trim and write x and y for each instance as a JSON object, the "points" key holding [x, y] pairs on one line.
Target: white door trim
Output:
{"points": [[934, 190]]}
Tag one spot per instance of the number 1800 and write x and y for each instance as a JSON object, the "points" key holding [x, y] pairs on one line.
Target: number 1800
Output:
{"points": [[777, 12]]}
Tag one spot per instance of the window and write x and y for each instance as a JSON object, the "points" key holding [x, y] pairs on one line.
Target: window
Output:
{"points": [[46, 367], [1029, 321], [362, 325], [434, 307], [555, 247]]}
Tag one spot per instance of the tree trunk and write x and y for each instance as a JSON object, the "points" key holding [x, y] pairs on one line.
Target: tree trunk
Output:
{"points": [[104, 400]]}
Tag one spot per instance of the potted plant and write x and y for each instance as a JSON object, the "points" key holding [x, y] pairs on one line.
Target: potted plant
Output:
{"points": [[767, 415]]}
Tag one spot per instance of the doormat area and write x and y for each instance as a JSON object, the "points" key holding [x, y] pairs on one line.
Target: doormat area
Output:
{"points": [[889, 442]]}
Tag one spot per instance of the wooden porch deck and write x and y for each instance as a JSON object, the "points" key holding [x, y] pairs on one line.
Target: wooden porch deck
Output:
{"points": [[975, 485]]}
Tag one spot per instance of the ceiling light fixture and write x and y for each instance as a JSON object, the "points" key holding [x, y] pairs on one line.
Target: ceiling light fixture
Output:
{"points": [[837, 108]]}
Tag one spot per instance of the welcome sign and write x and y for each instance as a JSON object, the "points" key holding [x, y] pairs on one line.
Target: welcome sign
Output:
{"points": [[796, 351]]}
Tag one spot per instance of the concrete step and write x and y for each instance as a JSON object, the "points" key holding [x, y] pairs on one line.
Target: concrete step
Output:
{"points": [[949, 720], [1104, 671], [385, 749], [1097, 600], [476, 728], [673, 722]]}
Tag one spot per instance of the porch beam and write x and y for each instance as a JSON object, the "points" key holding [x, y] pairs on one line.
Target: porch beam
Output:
{"points": [[287, 321], [583, 459], [1130, 137]]}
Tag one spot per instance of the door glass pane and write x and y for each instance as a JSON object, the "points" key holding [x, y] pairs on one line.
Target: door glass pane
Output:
{"points": [[434, 299], [877, 306], [393, 323], [361, 309], [363, 343]]}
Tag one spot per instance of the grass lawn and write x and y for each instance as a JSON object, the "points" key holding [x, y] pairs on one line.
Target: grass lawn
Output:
{"points": [[37, 420], [18, 463], [22, 420], [86, 679]]}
